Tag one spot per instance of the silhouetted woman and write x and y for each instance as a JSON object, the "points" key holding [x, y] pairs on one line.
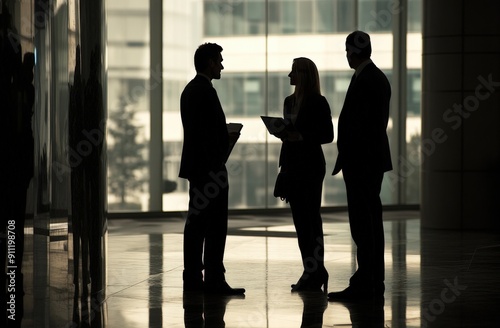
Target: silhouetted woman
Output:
{"points": [[302, 158]]}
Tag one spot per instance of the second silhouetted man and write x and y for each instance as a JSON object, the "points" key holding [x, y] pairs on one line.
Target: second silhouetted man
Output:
{"points": [[205, 149]]}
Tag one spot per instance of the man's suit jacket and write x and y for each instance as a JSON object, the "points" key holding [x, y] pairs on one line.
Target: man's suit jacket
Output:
{"points": [[314, 123], [362, 129], [206, 139]]}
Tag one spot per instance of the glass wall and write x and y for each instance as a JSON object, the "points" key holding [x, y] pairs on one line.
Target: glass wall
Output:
{"points": [[413, 126], [260, 39], [128, 105]]}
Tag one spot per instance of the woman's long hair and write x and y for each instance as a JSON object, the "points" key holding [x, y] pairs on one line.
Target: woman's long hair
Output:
{"points": [[306, 79]]}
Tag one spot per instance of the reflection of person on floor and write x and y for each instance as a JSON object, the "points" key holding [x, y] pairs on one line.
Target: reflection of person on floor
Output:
{"points": [[363, 157], [204, 151], [303, 161], [94, 170], [314, 307], [86, 117], [17, 95], [205, 310], [75, 118], [366, 313]]}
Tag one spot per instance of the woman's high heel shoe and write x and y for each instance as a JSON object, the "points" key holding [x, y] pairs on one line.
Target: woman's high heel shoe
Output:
{"points": [[302, 277]]}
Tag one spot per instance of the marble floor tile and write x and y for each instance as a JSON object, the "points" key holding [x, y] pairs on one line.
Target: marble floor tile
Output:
{"points": [[433, 278]]}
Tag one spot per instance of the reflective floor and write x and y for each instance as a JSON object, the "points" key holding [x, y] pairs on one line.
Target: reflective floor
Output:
{"points": [[433, 278]]}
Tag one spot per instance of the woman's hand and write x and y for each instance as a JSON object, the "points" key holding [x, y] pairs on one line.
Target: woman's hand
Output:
{"points": [[292, 136]]}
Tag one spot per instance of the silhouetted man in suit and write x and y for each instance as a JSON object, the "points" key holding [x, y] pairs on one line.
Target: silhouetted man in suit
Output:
{"points": [[205, 149], [364, 156]]}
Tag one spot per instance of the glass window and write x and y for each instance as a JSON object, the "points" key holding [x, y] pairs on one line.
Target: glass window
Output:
{"points": [[414, 15], [305, 17], [128, 107], [375, 15], [252, 87], [247, 170], [238, 95], [324, 14], [255, 16], [274, 94], [414, 92], [238, 18], [254, 82], [413, 134], [211, 26], [172, 94], [274, 14], [289, 17], [346, 15]]}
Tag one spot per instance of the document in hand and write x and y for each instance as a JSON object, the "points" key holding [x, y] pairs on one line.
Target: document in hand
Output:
{"points": [[233, 129], [276, 125]]}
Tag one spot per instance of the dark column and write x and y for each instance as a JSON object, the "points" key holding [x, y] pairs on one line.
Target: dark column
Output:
{"points": [[461, 114], [156, 106]]}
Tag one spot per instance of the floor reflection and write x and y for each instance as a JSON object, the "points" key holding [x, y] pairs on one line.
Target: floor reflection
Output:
{"points": [[367, 313], [433, 278], [262, 256], [205, 310], [315, 304]]}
